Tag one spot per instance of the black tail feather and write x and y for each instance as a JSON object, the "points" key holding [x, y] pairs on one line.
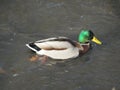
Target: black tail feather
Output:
{"points": [[34, 46]]}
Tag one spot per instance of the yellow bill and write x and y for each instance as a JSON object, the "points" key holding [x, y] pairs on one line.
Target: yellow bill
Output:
{"points": [[96, 40]]}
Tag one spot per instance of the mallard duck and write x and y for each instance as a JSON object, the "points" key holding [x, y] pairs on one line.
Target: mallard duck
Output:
{"points": [[63, 47]]}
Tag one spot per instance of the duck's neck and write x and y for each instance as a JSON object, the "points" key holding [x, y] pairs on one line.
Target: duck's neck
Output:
{"points": [[85, 43]]}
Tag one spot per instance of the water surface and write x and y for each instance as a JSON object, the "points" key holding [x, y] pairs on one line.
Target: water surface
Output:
{"points": [[25, 21]]}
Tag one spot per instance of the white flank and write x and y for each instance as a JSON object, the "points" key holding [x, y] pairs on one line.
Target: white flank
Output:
{"points": [[60, 54]]}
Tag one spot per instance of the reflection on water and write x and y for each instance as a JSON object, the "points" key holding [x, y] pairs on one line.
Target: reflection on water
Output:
{"points": [[22, 22]]}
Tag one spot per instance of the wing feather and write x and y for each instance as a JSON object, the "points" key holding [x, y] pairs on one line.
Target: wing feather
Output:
{"points": [[56, 43]]}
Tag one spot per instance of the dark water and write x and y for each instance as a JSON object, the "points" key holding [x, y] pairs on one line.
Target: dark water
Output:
{"points": [[24, 21]]}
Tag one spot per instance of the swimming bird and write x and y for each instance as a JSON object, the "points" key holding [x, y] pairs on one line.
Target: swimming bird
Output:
{"points": [[63, 47]]}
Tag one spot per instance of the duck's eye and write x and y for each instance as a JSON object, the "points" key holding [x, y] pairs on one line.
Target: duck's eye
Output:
{"points": [[91, 34]]}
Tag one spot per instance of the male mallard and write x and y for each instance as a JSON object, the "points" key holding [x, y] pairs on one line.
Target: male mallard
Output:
{"points": [[63, 47]]}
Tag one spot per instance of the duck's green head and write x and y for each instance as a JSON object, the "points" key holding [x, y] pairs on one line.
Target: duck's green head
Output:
{"points": [[86, 36]]}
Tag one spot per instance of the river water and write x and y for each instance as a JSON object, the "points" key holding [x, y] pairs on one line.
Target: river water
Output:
{"points": [[25, 21]]}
